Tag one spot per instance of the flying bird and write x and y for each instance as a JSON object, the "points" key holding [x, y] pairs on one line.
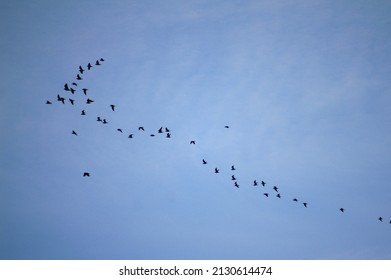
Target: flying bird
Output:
{"points": [[204, 161], [380, 219], [85, 91], [167, 130], [266, 194], [160, 130], [275, 188], [236, 184], [102, 59], [98, 119], [82, 112], [216, 170], [168, 135], [81, 70], [72, 101], [48, 102], [104, 121], [74, 84], [97, 62], [152, 135], [66, 87], [89, 101], [192, 142], [263, 183], [141, 128], [255, 183], [233, 177], [74, 132], [305, 204], [89, 66], [112, 107], [278, 195], [72, 90], [226, 126], [295, 199], [78, 77], [62, 99], [342, 210], [233, 167], [120, 130], [86, 174], [130, 136]]}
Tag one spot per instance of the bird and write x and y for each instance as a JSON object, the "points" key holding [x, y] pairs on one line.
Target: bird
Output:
{"points": [[152, 135], [112, 107], [86, 174], [83, 112], [72, 101], [78, 77], [226, 126], [120, 130], [89, 101], [160, 130], [98, 119], [130, 136], [278, 195], [342, 210], [89, 66], [168, 135], [263, 183], [204, 161], [233, 167], [192, 142], [104, 121], [72, 90], [167, 130], [295, 199], [255, 183], [85, 91], [74, 84], [102, 59], [305, 204], [74, 132], [216, 170], [81, 70], [380, 219], [48, 102], [141, 128], [233, 177], [66, 87], [266, 194], [275, 188], [236, 184], [97, 62], [62, 99]]}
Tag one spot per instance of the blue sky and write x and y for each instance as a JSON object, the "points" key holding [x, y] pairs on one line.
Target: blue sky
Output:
{"points": [[303, 85]]}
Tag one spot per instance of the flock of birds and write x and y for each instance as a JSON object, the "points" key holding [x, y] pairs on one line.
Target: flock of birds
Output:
{"points": [[73, 87]]}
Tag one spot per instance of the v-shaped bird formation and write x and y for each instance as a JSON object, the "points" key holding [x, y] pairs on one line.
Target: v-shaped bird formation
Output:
{"points": [[73, 89]]}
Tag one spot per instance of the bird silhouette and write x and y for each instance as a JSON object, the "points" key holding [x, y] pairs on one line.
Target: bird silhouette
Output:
{"points": [[266, 194], [48, 102], [152, 135], [62, 99], [120, 130], [263, 183], [168, 135], [66, 87], [89, 101], [85, 91], [192, 142], [305, 204], [255, 183], [233, 167], [160, 130], [226, 126], [104, 121], [74, 132], [236, 184], [278, 195], [295, 199], [83, 112], [275, 188], [204, 161], [78, 77], [86, 174], [72, 101], [342, 210], [130, 136], [167, 130], [233, 177], [380, 219], [97, 62], [89, 66], [72, 90], [81, 70], [112, 107], [98, 119], [216, 170], [102, 59], [74, 84], [141, 128]]}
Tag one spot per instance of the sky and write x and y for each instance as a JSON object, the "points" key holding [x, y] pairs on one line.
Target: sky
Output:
{"points": [[304, 87]]}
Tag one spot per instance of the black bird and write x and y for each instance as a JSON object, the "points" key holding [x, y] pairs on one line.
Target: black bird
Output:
{"points": [[278, 195], [102, 59], [72, 90], [216, 170], [120, 130], [152, 135], [89, 101], [275, 188], [74, 132], [233, 167], [236, 184], [160, 130], [82, 112], [380, 219], [72, 101], [112, 107], [98, 119], [342, 210], [86, 174], [255, 183], [85, 91], [295, 199], [89, 66], [305, 204], [233, 177], [168, 135], [266, 194], [74, 84], [78, 77], [204, 161], [48, 102], [97, 62], [167, 130], [226, 126], [141, 128], [104, 121], [263, 183], [81, 70], [192, 142], [62, 99], [66, 87], [130, 136]]}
